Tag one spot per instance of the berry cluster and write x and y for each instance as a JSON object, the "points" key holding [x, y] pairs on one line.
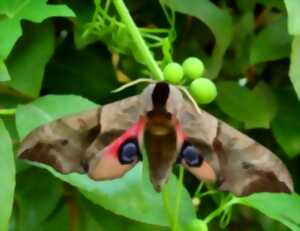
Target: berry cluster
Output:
{"points": [[202, 89]]}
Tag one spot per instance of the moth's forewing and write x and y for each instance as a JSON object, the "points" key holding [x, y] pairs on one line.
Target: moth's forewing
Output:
{"points": [[62, 143], [241, 165], [75, 143]]}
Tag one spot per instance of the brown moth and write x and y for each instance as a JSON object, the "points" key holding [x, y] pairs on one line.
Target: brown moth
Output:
{"points": [[106, 142]]}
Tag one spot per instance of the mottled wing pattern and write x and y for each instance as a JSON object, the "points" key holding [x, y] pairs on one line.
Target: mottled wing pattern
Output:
{"points": [[70, 143], [242, 165]]}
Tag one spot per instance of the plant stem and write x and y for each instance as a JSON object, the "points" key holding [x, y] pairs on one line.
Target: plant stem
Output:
{"points": [[165, 196], [178, 198], [219, 210], [138, 39], [8, 111]]}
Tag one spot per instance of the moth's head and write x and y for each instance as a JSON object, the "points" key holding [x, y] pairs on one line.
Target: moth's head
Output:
{"points": [[162, 93]]}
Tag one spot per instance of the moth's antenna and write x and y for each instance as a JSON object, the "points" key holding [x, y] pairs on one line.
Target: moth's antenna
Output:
{"points": [[132, 83], [190, 97]]}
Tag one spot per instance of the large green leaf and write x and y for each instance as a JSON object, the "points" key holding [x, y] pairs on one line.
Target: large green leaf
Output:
{"points": [[286, 124], [293, 8], [272, 43], [255, 108], [129, 197], [37, 195], [27, 62], [126, 196], [7, 177], [294, 72], [109, 221], [18, 10], [219, 22], [284, 208]]}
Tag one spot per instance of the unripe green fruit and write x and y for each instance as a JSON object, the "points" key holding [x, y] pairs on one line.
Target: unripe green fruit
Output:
{"points": [[203, 90], [197, 225], [193, 68], [173, 73]]}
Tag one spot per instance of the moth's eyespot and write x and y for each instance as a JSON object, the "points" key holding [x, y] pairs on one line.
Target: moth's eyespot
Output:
{"points": [[129, 152], [191, 155]]}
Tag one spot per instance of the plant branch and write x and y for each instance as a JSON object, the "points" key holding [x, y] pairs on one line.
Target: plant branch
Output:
{"points": [[219, 210], [138, 39]]}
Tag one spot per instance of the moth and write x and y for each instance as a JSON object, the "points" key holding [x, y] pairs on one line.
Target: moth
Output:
{"points": [[106, 142]]}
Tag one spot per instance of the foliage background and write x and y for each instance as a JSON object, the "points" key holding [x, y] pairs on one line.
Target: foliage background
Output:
{"points": [[79, 48]]}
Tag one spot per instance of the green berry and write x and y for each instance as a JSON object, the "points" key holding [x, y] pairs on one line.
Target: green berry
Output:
{"points": [[193, 68], [173, 73], [198, 225], [203, 90]]}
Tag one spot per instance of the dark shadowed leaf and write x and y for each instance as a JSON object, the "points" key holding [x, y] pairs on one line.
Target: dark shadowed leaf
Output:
{"points": [[255, 108], [219, 22], [59, 219], [88, 72], [37, 195], [286, 125]]}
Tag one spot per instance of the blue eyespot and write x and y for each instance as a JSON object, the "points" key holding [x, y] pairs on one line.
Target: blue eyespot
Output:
{"points": [[129, 152], [191, 155]]}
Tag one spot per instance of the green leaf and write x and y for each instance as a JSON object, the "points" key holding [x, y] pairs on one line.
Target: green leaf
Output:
{"points": [[4, 75], [31, 10], [255, 108], [286, 124], [272, 43], [293, 8], [294, 71], [219, 22], [37, 195], [27, 62], [47, 109], [239, 61], [7, 177], [110, 221], [126, 196], [282, 207]]}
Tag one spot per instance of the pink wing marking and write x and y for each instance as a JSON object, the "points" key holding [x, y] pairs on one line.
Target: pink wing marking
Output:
{"points": [[107, 166]]}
